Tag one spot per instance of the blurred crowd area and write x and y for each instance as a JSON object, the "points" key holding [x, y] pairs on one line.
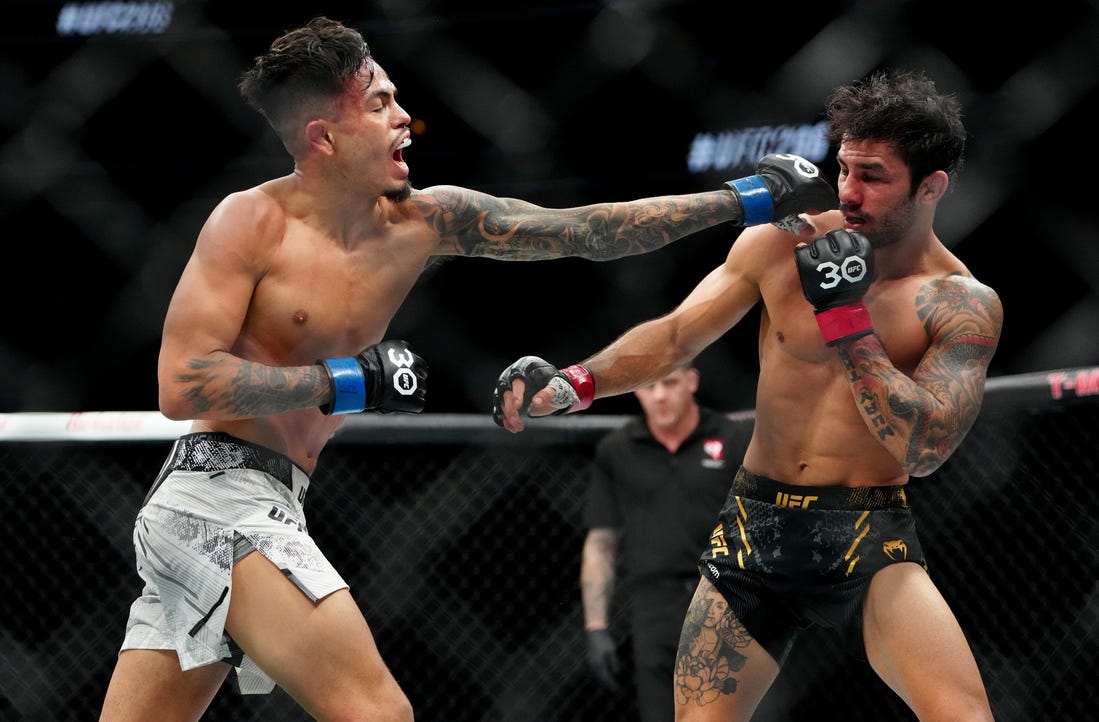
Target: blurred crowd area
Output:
{"points": [[121, 128]]}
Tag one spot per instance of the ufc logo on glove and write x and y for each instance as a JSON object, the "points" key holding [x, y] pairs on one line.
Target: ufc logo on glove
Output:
{"points": [[404, 380], [363, 382], [846, 260], [803, 167], [851, 269]]}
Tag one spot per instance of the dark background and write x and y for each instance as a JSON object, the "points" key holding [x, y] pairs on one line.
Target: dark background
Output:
{"points": [[462, 545], [114, 148]]}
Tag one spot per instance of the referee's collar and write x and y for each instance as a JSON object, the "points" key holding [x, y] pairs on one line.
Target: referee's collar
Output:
{"points": [[709, 424]]}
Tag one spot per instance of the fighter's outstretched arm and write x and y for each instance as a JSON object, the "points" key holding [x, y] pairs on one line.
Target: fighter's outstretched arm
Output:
{"points": [[476, 224], [642, 355]]}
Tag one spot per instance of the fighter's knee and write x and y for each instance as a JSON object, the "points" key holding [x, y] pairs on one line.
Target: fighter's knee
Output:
{"points": [[401, 711], [388, 705], [974, 709], [392, 710]]}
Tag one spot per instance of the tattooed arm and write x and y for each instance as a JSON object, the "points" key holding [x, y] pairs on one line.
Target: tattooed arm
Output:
{"points": [[922, 419], [597, 576], [476, 224], [201, 371]]}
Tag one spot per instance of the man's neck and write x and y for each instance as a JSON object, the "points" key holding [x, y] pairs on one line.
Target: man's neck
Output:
{"points": [[673, 435]]}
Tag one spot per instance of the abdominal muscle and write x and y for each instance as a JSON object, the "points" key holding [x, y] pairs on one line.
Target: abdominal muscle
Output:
{"points": [[809, 432]]}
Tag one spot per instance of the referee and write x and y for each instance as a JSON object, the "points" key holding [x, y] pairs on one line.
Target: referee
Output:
{"points": [[656, 487]]}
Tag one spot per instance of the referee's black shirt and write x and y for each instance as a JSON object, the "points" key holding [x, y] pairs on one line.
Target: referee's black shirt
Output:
{"points": [[664, 505]]}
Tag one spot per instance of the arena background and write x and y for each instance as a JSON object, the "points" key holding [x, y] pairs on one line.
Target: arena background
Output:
{"points": [[121, 128], [115, 146]]}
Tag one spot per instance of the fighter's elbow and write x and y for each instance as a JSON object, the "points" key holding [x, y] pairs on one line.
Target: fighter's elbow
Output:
{"points": [[921, 470], [924, 460], [177, 401], [172, 407]]}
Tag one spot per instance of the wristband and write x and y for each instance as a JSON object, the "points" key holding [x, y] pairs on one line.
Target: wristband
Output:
{"points": [[581, 380], [345, 376], [755, 200], [843, 322]]}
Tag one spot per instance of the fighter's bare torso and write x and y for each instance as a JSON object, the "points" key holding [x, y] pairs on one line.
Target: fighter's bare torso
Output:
{"points": [[283, 277], [317, 295], [808, 429]]}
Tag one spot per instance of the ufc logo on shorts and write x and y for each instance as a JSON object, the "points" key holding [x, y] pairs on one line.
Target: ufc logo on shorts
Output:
{"points": [[404, 381], [794, 501], [852, 270]]}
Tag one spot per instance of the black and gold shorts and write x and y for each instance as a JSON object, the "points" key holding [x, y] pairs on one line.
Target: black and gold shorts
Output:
{"points": [[789, 557]]}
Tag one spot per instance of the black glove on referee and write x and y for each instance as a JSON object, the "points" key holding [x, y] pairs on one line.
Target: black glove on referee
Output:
{"points": [[603, 658]]}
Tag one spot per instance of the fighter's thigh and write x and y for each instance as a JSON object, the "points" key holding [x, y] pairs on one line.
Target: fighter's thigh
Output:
{"points": [[149, 684], [915, 644], [721, 671], [322, 654]]}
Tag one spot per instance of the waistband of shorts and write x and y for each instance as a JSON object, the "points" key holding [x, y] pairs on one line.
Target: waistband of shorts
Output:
{"points": [[213, 451], [760, 488]]}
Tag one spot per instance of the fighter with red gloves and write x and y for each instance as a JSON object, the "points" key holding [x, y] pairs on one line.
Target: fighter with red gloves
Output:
{"points": [[874, 344]]}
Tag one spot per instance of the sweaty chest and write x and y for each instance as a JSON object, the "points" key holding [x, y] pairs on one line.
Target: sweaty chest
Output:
{"points": [[790, 328], [321, 300]]}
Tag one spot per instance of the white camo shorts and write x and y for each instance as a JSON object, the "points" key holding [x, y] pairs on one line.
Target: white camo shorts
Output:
{"points": [[215, 500]]}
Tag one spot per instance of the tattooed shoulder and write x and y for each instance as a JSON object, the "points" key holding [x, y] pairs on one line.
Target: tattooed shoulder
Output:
{"points": [[451, 211], [959, 302]]}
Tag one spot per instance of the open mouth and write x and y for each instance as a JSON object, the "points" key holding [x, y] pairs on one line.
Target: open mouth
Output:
{"points": [[397, 153]]}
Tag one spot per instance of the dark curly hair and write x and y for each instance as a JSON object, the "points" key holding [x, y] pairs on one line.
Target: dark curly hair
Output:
{"points": [[904, 109], [302, 69]]}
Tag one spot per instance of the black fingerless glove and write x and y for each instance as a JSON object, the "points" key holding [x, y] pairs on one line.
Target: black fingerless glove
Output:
{"points": [[572, 385], [386, 377], [836, 270], [784, 185]]}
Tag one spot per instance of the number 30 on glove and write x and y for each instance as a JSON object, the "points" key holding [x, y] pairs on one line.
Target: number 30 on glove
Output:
{"points": [[386, 377], [836, 270], [573, 387]]}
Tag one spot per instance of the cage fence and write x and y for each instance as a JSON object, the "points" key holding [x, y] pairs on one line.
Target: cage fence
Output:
{"points": [[462, 543]]}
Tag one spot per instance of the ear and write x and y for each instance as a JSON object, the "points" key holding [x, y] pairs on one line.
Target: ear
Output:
{"points": [[318, 137], [694, 376], [934, 186]]}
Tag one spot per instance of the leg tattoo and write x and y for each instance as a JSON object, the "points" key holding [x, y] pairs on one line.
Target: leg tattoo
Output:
{"points": [[707, 657]]}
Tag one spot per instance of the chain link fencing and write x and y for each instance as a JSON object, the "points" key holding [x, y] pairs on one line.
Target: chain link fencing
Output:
{"points": [[462, 543]]}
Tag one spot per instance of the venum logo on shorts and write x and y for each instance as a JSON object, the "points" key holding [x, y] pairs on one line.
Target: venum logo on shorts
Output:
{"points": [[895, 549]]}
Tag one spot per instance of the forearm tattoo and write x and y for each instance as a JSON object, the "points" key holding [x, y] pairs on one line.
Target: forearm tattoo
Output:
{"points": [[596, 597], [931, 412], [707, 661], [254, 390], [597, 576], [515, 230]]}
